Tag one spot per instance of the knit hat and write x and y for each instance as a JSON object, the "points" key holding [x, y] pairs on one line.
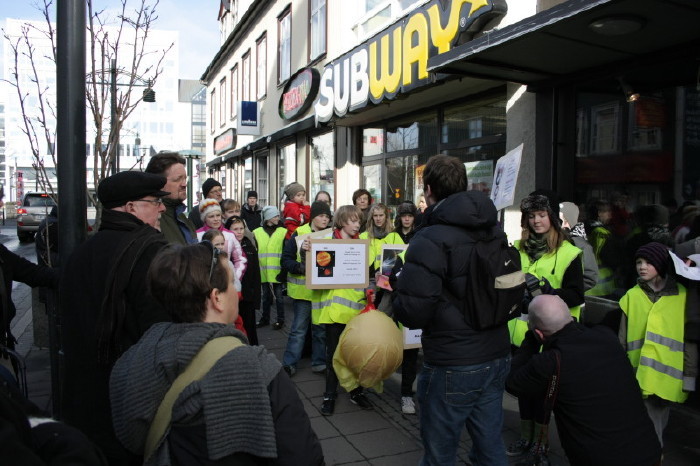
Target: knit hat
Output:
{"points": [[208, 206], [541, 199], [406, 208], [269, 212], [656, 254], [320, 208], [252, 194], [292, 189], [570, 212], [208, 185]]}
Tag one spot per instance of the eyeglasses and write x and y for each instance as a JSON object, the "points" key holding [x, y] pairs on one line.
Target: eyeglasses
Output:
{"points": [[157, 202], [214, 256]]}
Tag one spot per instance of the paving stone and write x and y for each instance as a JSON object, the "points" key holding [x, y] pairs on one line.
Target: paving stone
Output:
{"points": [[381, 443], [323, 428], [338, 451]]}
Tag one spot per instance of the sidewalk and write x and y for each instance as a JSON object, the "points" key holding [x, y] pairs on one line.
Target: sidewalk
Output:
{"points": [[352, 436]]}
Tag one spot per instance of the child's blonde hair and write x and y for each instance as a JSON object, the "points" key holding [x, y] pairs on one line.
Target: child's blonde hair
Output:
{"points": [[369, 223], [345, 214]]}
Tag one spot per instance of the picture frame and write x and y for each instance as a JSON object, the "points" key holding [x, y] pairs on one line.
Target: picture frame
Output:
{"points": [[337, 264]]}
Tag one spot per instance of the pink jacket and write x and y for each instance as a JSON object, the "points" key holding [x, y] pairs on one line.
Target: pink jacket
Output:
{"points": [[233, 248]]}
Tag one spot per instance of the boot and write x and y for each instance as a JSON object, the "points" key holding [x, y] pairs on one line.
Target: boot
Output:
{"points": [[521, 446]]}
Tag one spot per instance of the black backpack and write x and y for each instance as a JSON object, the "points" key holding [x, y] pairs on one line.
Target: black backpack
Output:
{"points": [[495, 283]]}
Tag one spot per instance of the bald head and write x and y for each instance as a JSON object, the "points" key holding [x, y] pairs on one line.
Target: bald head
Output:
{"points": [[549, 314]]}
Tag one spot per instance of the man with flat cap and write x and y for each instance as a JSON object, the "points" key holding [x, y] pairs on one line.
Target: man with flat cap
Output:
{"points": [[105, 304]]}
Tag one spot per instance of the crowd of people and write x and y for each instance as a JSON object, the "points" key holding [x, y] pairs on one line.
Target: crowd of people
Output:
{"points": [[160, 312]]}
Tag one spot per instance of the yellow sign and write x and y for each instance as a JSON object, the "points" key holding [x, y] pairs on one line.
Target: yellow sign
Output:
{"points": [[396, 60]]}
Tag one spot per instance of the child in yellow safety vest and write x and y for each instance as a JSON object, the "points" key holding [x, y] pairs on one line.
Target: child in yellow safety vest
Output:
{"points": [[652, 329], [378, 226], [270, 239], [335, 310]]}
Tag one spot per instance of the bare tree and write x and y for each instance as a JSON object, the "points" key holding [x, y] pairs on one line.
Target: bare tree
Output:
{"points": [[114, 37]]}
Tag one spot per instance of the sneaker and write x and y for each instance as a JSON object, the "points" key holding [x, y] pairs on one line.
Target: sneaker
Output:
{"points": [[407, 405], [290, 370], [361, 400], [277, 325], [320, 370], [262, 323], [518, 448], [328, 406], [536, 456]]}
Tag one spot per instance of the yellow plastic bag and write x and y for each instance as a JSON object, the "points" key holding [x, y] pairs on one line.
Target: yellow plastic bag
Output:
{"points": [[370, 349]]}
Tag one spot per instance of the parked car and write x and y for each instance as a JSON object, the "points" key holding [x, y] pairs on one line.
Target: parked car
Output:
{"points": [[34, 208]]}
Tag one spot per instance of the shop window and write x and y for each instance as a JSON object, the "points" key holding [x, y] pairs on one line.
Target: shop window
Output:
{"points": [[317, 28], [402, 180], [248, 174], [372, 141], [284, 46], [287, 157], [474, 120], [322, 164], [261, 57], [372, 181], [605, 121], [416, 133], [262, 177]]}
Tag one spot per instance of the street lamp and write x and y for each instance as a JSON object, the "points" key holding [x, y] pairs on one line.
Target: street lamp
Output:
{"points": [[149, 95]]}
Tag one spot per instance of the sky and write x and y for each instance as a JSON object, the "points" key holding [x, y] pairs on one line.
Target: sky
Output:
{"points": [[194, 19]]}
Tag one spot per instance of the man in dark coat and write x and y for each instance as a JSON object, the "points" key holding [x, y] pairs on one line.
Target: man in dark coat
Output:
{"points": [[18, 269], [252, 212], [174, 224], [600, 415], [105, 304], [431, 283], [211, 189]]}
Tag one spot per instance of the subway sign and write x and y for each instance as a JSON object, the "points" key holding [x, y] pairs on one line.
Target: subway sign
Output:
{"points": [[396, 60]]}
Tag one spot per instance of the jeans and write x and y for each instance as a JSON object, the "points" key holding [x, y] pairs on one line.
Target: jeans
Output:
{"points": [[267, 291], [452, 397], [297, 337]]}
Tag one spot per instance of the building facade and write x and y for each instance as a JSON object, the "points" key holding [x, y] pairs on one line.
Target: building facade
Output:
{"points": [[601, 94]]}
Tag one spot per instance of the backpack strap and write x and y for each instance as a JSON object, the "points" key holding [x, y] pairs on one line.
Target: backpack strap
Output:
{"points": [[198, 367]]}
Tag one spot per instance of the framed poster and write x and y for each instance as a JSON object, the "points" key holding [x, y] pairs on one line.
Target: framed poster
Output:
{"points": [[337, 263], [411, 338], [389, 254]]}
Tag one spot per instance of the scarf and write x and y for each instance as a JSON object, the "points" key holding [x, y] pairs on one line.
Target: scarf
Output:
{"points": [[579, 230], [379, 233], [232, 400], [338, 235], [138, 238], [535, 247]]}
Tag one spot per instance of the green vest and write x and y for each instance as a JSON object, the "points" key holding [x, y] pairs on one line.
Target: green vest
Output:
{"points": [[606, 281], [296, 284], [270, 253], [375, 250], [543, 267], [655, 334], [338, 306]]}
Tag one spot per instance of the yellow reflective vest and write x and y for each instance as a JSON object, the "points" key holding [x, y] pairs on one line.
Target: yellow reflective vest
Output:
{"points": [[375, 250], [270, 253], [655, 334], [606, 280], [296, 284], [551, 266]]}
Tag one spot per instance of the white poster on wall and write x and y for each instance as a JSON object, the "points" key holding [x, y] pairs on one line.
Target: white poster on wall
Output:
{"points": [[505, 178]]}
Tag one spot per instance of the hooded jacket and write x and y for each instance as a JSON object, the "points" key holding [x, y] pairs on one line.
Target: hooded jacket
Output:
{"points": [[434, 276]]}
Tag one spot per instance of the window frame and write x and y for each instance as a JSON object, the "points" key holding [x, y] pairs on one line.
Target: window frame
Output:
{"points": [[234, 91], [261, 45], [286, 14], [246, 79], [222, 101], [212, 111], [311, 56]]}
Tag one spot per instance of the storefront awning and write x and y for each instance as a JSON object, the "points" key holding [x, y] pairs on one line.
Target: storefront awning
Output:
{"points": [[576, 40]]}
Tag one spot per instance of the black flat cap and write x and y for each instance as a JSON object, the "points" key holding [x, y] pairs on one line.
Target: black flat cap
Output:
{"points": [[117, 190]]}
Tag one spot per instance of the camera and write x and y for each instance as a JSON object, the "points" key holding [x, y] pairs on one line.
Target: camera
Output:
{"points": [[533, 288]]}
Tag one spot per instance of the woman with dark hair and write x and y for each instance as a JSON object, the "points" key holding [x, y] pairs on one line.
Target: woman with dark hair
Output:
{"points": [[554, 266], [242, 410], [362, 199]]}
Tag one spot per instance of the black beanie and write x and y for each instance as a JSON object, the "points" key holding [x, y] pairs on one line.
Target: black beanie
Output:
{"points": [[320, 208], [656, 254], [208, 184], [252, 194]]}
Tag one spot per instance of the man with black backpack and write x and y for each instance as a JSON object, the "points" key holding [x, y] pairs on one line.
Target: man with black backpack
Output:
{"points": [[467, 359]]}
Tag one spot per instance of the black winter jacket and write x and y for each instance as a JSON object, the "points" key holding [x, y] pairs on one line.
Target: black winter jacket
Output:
{"points": [[601, 418], [436, 261]]}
